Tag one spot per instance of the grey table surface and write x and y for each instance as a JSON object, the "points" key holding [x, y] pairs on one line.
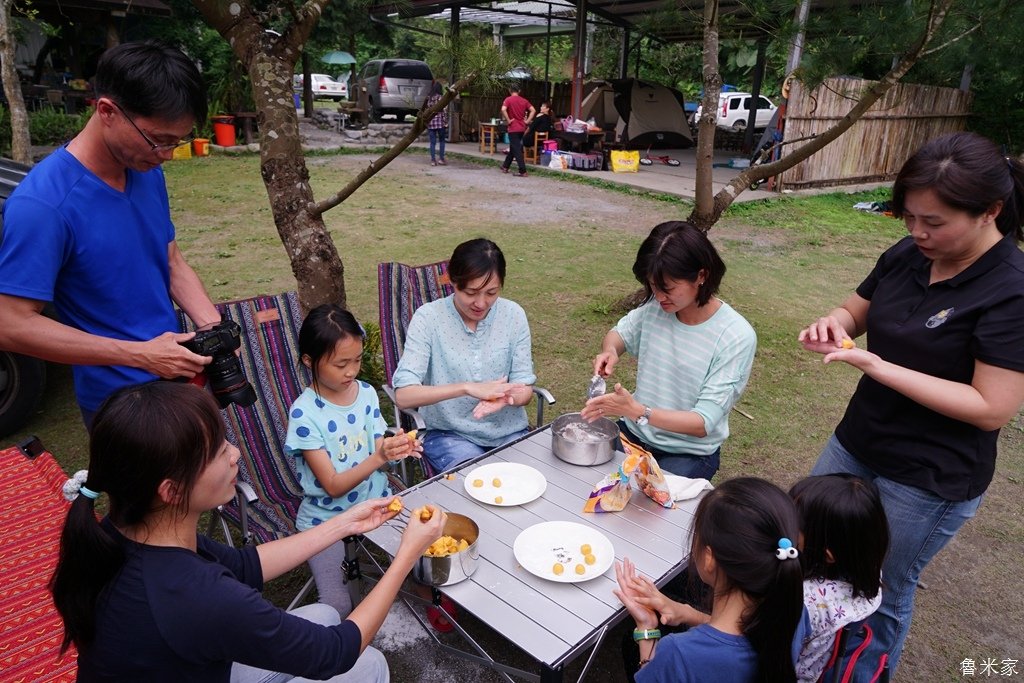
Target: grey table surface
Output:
{"points": [[552, 622]]}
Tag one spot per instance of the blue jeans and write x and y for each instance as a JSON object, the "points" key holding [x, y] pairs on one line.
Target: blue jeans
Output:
{"points": [[444, 450], [436, 134], [692, 466], [920, 525]]}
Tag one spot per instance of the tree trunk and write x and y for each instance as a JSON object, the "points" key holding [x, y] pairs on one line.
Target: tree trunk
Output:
{"points": [[702, 213], [270, 61], [726, 196], [21, 144]]}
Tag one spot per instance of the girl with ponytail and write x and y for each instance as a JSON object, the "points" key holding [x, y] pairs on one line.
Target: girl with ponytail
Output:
{"points": [[744, 547]]}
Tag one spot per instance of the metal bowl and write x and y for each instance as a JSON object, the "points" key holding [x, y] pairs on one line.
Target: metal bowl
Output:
{"points": [[444, 571], [591, 451]]}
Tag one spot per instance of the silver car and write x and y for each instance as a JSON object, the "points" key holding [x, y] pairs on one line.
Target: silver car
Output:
{"points": [[395, 86]]}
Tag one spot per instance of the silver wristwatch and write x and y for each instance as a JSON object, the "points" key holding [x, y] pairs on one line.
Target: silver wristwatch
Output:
{"points": [[645, 417]]}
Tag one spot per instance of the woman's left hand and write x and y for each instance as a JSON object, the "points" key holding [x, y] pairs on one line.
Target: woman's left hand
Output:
{"points": [[857, 357], [368, 515], [618, 402]]}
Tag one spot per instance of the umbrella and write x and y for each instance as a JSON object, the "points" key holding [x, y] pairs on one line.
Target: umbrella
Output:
{"points": [[338, 57]]}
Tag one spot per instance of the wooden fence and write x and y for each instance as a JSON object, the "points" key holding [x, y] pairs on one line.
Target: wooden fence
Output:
{"points": [[874, 148]]}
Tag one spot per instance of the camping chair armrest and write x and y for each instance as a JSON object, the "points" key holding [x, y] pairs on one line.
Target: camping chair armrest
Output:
{"points": [[410, 413], [246, 496], [543, 395], [245, 493]]}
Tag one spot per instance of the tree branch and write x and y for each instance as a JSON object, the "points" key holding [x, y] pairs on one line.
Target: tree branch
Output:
{"points": [[422, 119], [949, 42], [937, 14]]}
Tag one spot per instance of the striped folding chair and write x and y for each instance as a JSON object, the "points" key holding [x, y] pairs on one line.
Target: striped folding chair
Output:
{"points": [[401, 289], [32, 512], [268, 490]]}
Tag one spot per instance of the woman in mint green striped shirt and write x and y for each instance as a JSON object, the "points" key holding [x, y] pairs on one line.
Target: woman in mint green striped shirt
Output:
{"points": [[693, 351]]}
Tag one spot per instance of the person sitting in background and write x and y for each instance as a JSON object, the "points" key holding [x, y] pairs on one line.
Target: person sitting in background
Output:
{"points": [[542, 123]]}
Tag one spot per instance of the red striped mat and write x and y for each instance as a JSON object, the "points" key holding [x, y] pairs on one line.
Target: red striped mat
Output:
{"points": [[32, 511]]}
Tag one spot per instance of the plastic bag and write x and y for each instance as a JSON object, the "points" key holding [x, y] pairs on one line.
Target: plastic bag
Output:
{"points": [[625, 161], [559, 161], [648, 475], [610, 494]]}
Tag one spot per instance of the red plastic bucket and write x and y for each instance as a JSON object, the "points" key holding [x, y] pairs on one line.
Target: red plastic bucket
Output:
{"points": [[224, 130]]}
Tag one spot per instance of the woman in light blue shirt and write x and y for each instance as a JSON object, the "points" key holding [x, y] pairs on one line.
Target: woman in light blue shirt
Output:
{"points": [[694, 353], [467, 363]]}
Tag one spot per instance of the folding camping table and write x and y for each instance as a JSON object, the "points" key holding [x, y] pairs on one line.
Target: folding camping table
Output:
{"points": [[552, 622]]}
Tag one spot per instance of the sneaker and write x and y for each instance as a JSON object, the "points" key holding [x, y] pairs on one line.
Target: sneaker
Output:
{"points": [[442, 163], [434, 163], [504, 169], [521, 174]]}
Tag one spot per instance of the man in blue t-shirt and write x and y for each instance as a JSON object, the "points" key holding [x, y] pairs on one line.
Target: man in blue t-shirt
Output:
{"points": [[89, 229]]}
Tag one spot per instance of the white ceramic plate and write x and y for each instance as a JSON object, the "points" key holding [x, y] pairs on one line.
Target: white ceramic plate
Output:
{"points": [[519, 483], [541, 546]]}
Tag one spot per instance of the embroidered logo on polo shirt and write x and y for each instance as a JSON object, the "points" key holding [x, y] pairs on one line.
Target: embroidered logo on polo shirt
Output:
{"points": [[939, 318]]}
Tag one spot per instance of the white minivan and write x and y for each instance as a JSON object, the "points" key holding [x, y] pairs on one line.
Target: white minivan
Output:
{"points": [[734, 110]]}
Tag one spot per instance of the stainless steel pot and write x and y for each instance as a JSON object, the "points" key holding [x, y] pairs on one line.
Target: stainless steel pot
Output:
{"points": [[595, 448], [444, 571]]}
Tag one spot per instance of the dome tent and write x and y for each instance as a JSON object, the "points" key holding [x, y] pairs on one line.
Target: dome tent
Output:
{"points": [[641, 114]]}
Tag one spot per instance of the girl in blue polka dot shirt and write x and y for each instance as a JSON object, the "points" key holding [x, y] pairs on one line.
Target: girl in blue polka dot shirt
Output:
{"points": [[336, 435]]}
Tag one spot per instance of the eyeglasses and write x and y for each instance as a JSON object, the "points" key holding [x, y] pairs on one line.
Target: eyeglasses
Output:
{"points": [[154, 146]]}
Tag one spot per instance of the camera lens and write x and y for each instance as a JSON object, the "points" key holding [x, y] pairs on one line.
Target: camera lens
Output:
{"points": [[228, 383]]}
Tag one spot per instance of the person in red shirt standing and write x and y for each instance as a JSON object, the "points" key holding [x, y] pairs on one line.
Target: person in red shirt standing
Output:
{"points": [[518, 113]]}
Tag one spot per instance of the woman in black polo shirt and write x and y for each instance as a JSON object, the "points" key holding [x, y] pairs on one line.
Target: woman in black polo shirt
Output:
{"points": [[944, 367]]}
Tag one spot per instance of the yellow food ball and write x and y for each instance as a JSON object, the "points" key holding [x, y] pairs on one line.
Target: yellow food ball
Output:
{"points": [[848, 344], [496, 483], [411, 435], [558, 569], [478, 483], [395, 505], [424, 512], [580, 569], [498, 499], [590, 559], [585, 549]]}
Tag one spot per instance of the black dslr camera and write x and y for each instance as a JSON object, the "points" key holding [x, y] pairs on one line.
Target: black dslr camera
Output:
{"points": [[225, 371]]}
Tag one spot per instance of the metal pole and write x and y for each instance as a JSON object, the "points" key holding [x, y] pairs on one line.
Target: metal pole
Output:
{"points": [[798, 41], [624, 54], [547, 58], [755, 97], [454, 118], [579, 57]]}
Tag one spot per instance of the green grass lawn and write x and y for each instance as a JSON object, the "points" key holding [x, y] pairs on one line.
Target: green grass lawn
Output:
{"points": [[789, 260]]}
